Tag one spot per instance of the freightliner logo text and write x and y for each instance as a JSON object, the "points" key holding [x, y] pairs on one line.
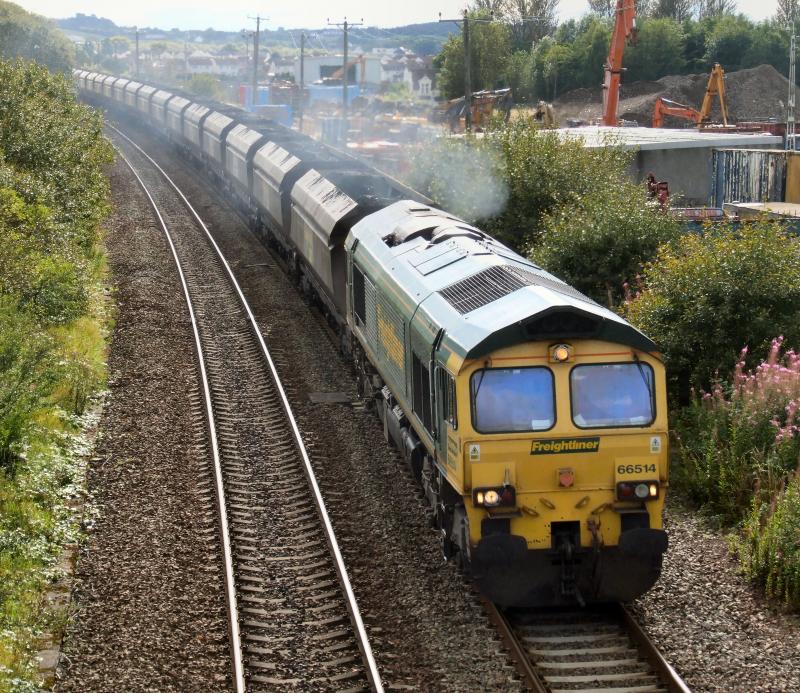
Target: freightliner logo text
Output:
{"points": [[564, 445]]}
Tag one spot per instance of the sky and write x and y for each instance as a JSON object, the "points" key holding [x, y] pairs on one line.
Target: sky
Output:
{"points": [[232, 15]]}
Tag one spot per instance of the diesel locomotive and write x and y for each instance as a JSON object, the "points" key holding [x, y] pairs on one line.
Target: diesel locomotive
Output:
{"points": [[534, 419]]}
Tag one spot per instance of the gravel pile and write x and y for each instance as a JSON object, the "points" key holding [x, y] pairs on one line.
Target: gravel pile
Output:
{"points": [[758, 92], [148, 596], [715, 630]]}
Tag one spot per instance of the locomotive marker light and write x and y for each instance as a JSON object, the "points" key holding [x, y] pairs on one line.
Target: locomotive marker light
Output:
{"points": [[637, 490]]}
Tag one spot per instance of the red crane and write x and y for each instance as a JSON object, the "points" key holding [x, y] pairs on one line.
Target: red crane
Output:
{"points": [[624, 31]]}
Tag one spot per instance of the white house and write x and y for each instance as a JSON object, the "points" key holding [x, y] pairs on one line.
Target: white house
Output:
{"points": [[318, 67]]}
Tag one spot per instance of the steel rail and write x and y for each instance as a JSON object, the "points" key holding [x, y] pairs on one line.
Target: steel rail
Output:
{"points": [[522, 662], [528, 670], [230, 585], [648, 648], [352, 605]]}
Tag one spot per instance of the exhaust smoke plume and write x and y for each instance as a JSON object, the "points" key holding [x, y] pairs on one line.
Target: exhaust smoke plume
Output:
{"points": [[463, 177]]}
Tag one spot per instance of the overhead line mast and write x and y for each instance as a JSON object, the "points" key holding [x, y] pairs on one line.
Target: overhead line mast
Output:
{"points": [[345, 25], [256, 38]]}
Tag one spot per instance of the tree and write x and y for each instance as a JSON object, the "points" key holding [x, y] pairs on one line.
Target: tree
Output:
{"points": [[770, 46], [589, 53], [715, 8], [119, 44], [787, 11], [729, 41], [604, 8], [604, 239], [494, 7], [658, 50], [707, 296], [157, 49], [204, 85], [489, 52], [678, 10], [31, 37], [519, 76], [556, 62], [531, 20], [695, 34]]}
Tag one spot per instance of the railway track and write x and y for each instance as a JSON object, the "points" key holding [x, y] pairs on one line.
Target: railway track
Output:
{"points": [[292, 616], [595, 649]]}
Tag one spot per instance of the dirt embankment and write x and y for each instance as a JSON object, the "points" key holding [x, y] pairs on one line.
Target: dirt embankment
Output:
{"points": [[755, 93]]}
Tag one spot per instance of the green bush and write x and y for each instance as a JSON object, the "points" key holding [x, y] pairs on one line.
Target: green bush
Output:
{"points": [[705, 297], [741, 438], [604, 239], [32, 37], [53, 150], [770, 548], [26, 377], [53, 195], [511, 179], [546, 173]]}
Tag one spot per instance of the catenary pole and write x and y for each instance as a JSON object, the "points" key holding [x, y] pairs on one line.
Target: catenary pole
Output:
{"points": [[256, 39], [302, 76], [345, 26]]}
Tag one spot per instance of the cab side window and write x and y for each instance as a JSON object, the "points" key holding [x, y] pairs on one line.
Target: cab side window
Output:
{"points": [[359, 296], [421, 390], [446, 394]]}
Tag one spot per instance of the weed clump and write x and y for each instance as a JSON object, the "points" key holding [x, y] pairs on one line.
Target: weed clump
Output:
{"points": [[738, 453]]}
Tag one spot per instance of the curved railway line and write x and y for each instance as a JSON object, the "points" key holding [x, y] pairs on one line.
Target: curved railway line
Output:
{"points": [[292, 616]]}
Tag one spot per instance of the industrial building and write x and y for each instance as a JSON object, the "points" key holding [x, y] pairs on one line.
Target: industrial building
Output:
{"points": [[683, 157]]}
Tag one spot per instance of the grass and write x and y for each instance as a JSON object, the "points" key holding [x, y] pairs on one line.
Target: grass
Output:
{"points": [[41, 496]]}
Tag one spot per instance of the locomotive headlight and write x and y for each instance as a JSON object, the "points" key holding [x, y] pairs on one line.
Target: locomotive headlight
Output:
{"points": [[504, 495], [637, 490], [491, 497]]}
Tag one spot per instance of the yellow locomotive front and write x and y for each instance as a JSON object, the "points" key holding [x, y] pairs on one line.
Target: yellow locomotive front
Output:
{"points": [[562, 466]]}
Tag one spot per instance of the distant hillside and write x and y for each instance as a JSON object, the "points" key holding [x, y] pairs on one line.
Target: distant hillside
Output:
{"points": [[89, 23], [426, 38]]}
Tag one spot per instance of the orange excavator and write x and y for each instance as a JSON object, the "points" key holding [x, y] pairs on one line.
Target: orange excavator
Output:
{"points": [[624, 32], [716, 87]]}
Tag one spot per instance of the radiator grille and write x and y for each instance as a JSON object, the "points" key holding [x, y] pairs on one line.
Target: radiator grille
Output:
{"points": [[493, 283]]}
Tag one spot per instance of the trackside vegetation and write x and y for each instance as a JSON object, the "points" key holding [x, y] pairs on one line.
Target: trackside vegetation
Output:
{"points": [[571, 208], [53, 317], [32, 37], [722, 302]]}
